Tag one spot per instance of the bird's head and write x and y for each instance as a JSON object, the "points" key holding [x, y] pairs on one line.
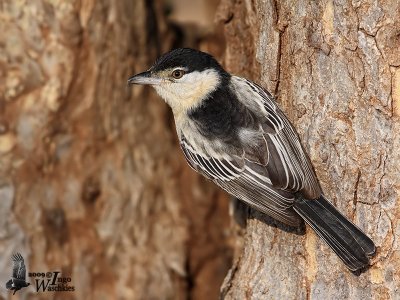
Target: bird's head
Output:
{"points": [[183, 78]]}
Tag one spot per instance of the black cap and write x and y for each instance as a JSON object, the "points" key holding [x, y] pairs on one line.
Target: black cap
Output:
{"points": [[193, 60]]}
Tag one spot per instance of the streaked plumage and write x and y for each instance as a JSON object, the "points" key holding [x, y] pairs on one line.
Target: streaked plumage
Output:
{"points": [[232, 131]]}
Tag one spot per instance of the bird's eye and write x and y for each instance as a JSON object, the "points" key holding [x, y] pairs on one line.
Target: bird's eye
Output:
{"points": [[178, 73]]}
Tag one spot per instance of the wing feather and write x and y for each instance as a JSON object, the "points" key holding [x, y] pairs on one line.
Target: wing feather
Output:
{"points": [[19, 269], [245, 180], [289, 166], [273, 166]]}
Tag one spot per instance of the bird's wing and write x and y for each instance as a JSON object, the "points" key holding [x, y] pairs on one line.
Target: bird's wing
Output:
{"points": [[19, 269], [272, 165], [243, 179], [288, 166]]}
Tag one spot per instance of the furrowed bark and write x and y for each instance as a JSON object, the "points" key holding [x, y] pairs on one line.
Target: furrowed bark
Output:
{"points": [[334, 68], [92, 180]]}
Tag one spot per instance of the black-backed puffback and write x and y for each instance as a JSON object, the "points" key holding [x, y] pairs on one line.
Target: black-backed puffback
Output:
{"points": [[232, 131]]}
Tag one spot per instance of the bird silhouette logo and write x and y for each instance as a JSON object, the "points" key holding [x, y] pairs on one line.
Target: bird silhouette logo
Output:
{"points": [[17, 280]]}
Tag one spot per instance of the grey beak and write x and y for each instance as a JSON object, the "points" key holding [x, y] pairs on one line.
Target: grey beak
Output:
{"points": [[144, 78]]}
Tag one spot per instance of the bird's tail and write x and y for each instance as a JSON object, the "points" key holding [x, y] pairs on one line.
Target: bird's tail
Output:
{"points": [[352, 245]]}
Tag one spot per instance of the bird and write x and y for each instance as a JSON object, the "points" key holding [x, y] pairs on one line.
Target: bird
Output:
{"points": [[17, 280], [232, 131]]}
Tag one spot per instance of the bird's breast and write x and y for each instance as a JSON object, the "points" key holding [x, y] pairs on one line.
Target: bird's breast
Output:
{"points": [[203, 145]]}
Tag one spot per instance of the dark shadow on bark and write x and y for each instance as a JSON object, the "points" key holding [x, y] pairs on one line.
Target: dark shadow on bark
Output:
{"points": [[242, 212]]}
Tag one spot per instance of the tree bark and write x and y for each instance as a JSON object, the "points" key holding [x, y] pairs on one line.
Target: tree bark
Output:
{"points": [[334, 67], [92, 183]]}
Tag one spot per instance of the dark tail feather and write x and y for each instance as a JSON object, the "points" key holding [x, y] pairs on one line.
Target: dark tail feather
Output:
{"points": [[352, 245]]}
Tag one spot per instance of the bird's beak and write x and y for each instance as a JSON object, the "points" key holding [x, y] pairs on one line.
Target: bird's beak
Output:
{"points": [[144, 78]]}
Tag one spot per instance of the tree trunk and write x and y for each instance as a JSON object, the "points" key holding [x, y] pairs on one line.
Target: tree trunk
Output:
{"points": [[92, 183], [334, 67]]}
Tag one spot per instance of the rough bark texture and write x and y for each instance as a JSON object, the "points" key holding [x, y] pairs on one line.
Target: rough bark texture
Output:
{"points": [[92, 182], [334, 67]]}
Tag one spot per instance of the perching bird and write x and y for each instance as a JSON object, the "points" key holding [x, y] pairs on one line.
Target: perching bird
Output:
{"points": [[17, 280], [232, 131]]}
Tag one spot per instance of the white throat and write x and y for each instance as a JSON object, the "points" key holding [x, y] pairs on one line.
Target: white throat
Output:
{"points": [[189, 91]]}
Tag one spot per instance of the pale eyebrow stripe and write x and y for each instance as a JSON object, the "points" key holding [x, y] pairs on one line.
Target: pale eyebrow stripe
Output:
{"points": [[180, 68]]}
